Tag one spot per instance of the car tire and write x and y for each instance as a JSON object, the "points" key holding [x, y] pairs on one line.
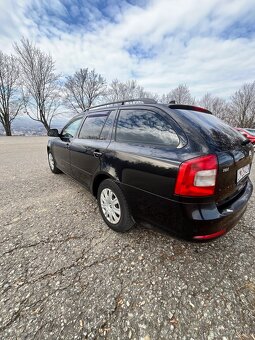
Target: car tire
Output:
{"points": [[52, 164], [113, 206]]}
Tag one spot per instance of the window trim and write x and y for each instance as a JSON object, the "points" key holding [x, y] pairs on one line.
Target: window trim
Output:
{"points": [[110, 133], [163, 116]]}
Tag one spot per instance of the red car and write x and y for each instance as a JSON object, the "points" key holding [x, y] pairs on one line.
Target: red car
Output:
{"points": [[248, 133]]}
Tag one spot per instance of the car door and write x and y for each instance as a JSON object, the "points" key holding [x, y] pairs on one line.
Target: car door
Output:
{"points": [[145, 156], [61, 145], [88, 148]]}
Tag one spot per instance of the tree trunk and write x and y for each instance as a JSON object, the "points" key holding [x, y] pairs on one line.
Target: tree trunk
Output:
{"points": [[46, 125], [7, 127], [44, 120]]}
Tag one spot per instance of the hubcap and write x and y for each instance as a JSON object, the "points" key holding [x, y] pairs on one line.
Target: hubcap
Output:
{"points": [[110, 206], [51, 161]]}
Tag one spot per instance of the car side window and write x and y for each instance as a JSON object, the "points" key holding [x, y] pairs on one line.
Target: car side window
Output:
{"points": [[92, 126], [146, 127], [70, 130]]}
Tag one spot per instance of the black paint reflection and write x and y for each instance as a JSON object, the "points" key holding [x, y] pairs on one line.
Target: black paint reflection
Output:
{"points": [[142, 126]]}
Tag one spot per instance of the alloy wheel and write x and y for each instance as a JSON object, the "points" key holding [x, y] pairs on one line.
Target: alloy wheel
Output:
{"points": [[51, 161], [110, 206]]}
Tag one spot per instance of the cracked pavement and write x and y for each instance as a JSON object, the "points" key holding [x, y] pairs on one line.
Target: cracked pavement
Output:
{"points": [[65, 275]]}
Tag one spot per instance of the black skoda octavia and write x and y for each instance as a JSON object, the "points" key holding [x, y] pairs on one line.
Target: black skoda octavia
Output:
{"points": [[173, 166]]}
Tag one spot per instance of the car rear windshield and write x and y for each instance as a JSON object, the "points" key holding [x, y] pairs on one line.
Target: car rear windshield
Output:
{"points": [[213, 129]]}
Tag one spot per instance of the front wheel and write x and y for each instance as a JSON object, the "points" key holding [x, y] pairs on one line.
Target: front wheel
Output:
{"points": [[113, 206], [52, 164]]}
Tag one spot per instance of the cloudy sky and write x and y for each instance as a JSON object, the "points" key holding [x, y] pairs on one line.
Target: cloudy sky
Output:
{"points": [[207, 44]]}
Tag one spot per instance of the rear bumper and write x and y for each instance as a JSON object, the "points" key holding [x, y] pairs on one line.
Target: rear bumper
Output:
{"points": [[207, 221], [187, 220]]}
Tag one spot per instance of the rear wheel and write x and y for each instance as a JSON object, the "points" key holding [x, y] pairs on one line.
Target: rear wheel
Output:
{"points": [[113, 206], [52, 164]]}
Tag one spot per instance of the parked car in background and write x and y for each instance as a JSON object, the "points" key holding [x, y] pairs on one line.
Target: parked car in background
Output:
{"points": [[174, 166], [248, 133]]}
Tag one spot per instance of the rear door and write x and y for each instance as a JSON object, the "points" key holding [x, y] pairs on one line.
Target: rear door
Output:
{"points": [[148, 148], [87, 150], [144, 155]]}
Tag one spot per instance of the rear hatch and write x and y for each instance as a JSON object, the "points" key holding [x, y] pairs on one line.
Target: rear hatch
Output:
{"points": [[233, 150]]}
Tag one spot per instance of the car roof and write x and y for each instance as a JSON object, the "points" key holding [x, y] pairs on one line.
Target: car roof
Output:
{"points": [[145, 102], [117, 107]]}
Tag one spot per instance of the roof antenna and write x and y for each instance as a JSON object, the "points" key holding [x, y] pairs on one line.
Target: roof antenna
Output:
{"points": [[172, 102]]}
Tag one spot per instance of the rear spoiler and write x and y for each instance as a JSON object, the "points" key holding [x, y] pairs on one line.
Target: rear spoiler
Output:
{"points": [[189, 107]]}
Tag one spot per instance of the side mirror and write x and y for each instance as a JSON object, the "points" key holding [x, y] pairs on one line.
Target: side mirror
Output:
{"points": [[53, 133]]}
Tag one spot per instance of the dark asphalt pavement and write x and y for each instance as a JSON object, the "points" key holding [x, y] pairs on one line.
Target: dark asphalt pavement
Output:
{"points": [[65, 275]]}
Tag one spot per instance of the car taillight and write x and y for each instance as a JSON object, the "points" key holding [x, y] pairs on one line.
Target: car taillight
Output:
{"points": [[197, 176]]}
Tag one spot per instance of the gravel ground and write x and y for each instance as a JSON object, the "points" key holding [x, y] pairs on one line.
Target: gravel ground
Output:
{"points": [[65, 275]]}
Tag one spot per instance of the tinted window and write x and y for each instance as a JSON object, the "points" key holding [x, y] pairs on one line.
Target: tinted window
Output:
{"points": [[212, 129], [107, 129], [71, 129], [142, 126], [92, 127]]}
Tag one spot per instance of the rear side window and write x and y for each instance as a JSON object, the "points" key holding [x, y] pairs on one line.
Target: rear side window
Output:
{"points": [[146, 127], [92, 127]]}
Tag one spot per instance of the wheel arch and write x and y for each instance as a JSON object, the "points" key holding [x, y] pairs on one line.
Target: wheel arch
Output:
{"points": [[98, 179], [49, 146]]}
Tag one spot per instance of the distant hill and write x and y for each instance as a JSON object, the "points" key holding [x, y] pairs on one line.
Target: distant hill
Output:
{"points": [[24, 125], [25, 122]]}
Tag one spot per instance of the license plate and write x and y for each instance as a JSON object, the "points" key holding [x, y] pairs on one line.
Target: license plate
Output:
{"points": [[242, 172]]}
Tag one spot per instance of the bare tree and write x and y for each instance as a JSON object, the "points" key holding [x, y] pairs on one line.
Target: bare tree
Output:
{"points": [[181, 95], [41, 93], [130, 89], [83, 88], [242, 106], [218, 106], [10, 97]]}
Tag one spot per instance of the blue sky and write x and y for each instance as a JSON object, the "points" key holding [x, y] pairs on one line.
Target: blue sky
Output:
{"points": [[208, 45]]}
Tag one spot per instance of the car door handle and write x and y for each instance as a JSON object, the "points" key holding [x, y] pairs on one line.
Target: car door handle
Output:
{"points": [[96, 153]]}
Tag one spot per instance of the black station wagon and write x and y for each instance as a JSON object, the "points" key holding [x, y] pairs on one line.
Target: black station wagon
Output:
{"points": [[173, 166]]}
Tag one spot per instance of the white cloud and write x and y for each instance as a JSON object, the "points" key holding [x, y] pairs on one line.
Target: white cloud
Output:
{"points": [[179, 41]]}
